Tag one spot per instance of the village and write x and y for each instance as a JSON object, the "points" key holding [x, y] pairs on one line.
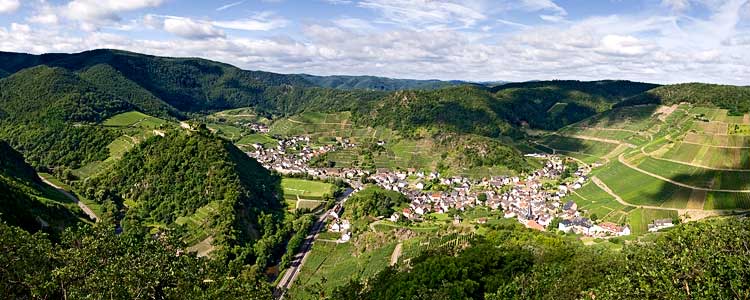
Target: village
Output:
{"points": [[535, 200]]}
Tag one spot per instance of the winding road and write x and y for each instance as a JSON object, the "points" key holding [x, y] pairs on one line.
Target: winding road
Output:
{"points": [[299, 259], [80, 204]]}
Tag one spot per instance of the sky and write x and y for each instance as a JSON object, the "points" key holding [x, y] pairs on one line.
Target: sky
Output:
{"points": [[660, 41]]}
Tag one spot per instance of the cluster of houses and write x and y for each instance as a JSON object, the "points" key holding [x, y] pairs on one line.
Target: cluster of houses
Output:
{"points": [[532, 199], [292, 156], [259, 128], [339, 225]]}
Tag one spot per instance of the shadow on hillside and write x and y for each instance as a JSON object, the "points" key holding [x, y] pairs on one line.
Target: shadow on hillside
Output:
{"points": [[716, 180]]}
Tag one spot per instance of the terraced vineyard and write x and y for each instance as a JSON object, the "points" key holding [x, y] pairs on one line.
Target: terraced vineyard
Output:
{"points": [[659, 162], [413, 248], [135, 128], [331, 265]]}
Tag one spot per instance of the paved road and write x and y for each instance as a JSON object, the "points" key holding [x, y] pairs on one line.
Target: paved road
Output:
{"points": [[299, 259], [83, 206]]}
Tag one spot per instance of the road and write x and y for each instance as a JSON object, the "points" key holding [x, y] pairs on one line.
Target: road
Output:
{"points": [[80, 204], [299, 259]]}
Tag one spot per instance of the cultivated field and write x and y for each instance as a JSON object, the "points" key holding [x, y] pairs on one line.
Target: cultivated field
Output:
{"points": [[686, 158], [331, 264], [301, 193]]}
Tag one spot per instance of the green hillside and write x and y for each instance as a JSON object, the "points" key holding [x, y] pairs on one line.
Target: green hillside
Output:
{"points": [[26, 202], [44, 93], [107, 78], [704, 260], [191, 176], [736, 99]]}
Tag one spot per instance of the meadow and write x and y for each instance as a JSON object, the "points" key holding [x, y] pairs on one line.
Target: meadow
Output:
{"points": [[306, 189], [134, 119]]}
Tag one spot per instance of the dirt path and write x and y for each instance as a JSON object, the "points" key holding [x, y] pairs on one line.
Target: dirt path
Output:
{"points": [[609, 191], [80, 204], [610, 129], [596, 139], [714, 146], [396, 254], [693, 213], [697, 165]]}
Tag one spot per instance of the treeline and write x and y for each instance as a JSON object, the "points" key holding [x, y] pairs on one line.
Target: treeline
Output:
{"points": [[373, 201], [736, 99], [52, 145], [706, 260], [93, 262]]}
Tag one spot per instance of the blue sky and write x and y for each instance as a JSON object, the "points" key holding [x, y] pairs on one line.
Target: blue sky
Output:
{"points": [[663, 41]]}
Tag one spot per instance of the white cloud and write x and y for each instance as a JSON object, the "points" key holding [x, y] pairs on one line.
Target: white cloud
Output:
{"points": [[677, 5], [230, 5], [416, 13], [191, 29], [338, 2], [100, 11], [542, 5], [263, 21], [622, 45], [43, 13], [353, 24], [9, 6]]}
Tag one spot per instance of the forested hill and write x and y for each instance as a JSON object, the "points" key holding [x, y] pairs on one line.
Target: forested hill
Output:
{"points": [[736, 99], [500, 110], [172, 85], [193, 181], [378, 83], [43, 93], [25, 201]]}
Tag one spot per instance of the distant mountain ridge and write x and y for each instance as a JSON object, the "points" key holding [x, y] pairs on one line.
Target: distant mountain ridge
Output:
{"points": [[376, 83]]}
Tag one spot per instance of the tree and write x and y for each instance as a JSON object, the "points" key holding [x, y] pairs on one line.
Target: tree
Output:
{"points": [[482, 197]]}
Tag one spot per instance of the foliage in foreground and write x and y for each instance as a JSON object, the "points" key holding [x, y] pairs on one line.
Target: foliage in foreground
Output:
{"points": [[707, 260], [94, 263]]}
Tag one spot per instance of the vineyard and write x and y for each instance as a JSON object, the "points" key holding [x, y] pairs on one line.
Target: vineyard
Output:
{"points": [[451, 242]]}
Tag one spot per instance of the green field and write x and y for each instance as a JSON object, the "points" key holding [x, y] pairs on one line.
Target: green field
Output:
{"points": [[724, 200], [635, 118], [134, 119], [595, 201], [696, 176], [230, 132], [295, 189], [640, 189], [337, 264], [639, 218], [262, 139]]}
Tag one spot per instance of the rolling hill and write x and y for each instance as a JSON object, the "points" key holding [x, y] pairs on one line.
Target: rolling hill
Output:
{"points": [[736, 99], [194, 181]]}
